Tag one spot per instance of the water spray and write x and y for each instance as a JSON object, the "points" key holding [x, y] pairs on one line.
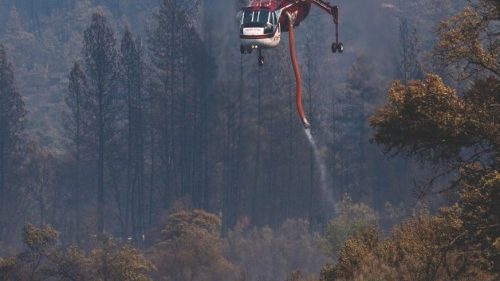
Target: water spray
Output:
{"points": [[327, 193]]}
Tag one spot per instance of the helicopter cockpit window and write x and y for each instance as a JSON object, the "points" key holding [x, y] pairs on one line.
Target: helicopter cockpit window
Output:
{"points": [[271, 24], [255, 18]]}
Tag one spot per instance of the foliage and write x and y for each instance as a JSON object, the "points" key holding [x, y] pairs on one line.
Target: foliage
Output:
{"points": [[100, 56], [267, 254], [197, 131], [470, 41], [298, 276], [120, 262], [419, 249], [43, 259], [478, 213], [350, 219], [426, 117], [429, 120], [190, 248], [12, 121]]}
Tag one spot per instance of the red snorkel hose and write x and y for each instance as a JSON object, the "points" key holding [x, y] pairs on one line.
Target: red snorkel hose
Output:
{"points": [[298, 79]]}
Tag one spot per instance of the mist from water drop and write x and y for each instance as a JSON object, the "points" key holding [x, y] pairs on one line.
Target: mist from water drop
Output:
{"points": [[322, 168]]}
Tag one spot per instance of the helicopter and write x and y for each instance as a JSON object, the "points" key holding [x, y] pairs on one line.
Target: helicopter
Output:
{"points": [[263, 21]]}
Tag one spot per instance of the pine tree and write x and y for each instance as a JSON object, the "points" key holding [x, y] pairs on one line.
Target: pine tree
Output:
{"points": [[12, 115], [132, 77], [180, 67], [17, 39], [408, 65], [76, 126], [163, 51], [14, 25], [100, 58]]}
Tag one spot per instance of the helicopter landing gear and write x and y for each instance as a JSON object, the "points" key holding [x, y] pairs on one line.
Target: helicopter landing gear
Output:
{"points": [[337, 47], [261, 58], [244, 50], [261, 61]]}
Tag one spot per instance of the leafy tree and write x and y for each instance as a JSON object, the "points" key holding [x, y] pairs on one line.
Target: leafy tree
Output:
{"points": [[426, 118], [112, 261], [190, 248], [429, 120], [419, 249], [298, 276], [350, 219], [32, 263], [44, 259], [267, 254], [469, 41]]}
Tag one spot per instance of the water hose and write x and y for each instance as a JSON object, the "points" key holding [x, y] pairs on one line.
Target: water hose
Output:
{"points": [[298, 79]]}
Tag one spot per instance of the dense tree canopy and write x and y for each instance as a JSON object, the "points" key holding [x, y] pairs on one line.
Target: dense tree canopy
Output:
{"points": [[161, 153], [429, 120]]}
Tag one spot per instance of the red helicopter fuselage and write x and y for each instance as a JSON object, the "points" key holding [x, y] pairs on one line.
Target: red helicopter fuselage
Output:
{"points": [[262, 22], [299, 8]]}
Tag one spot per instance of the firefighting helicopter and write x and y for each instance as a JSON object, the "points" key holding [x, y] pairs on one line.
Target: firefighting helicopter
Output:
{"points": [[263, 21]]}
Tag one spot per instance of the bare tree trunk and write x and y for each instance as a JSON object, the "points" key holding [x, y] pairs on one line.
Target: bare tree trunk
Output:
{"points": [[255, 192], [152, 178], [100, 165], [291, 153], [130, 185], [78, 185], [239, 153], [2, 170]]}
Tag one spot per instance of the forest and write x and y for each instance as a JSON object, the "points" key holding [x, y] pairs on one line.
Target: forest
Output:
{"points": [[138, 143]]}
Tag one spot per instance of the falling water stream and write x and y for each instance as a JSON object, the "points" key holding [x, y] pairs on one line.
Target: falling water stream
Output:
{"points": [[327, 193]]}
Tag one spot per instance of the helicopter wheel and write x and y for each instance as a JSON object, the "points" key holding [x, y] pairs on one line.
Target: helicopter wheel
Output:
{"points": [[334, 47], [261, 61], [340, 47]]}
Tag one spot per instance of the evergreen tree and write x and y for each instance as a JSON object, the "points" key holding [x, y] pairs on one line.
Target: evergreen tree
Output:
{"points": [[20, 43], [132, 77], [14, 25], [100, 58], [183, 73], [76, 126], [408, 65], [12, 114]]}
